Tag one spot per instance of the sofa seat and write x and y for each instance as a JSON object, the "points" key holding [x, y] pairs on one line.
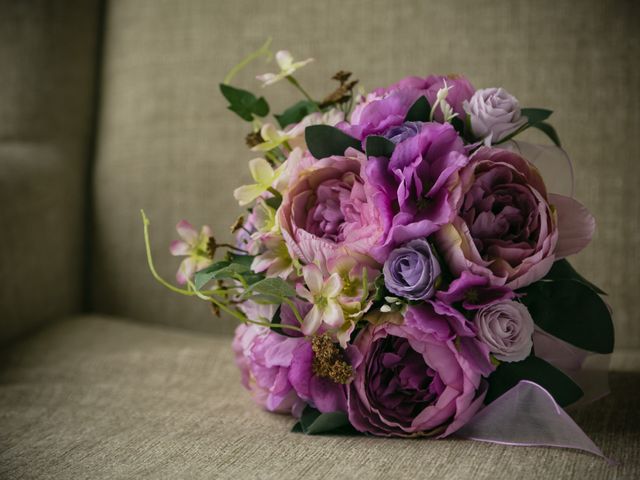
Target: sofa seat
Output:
{"points": [[98, 397]]}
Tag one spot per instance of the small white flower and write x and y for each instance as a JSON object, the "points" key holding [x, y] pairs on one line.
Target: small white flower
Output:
{"points": [[193, 246], [441, 101], [263, 174], [287, 67], [323, 295]]}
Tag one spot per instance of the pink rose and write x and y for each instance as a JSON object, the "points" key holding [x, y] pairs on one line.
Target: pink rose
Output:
{"points": [[328, 212]]}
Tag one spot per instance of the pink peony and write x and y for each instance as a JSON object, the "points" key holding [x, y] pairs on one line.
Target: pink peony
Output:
{"points": [[327, 211], [264, 359]]}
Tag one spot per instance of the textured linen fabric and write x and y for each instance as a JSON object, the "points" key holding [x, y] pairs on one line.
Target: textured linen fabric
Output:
{"points": [[47, 58], [168, 144], [94, 397]]}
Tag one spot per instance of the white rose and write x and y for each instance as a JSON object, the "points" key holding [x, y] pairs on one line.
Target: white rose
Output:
{"points": [[507, 328], [494, 113]]}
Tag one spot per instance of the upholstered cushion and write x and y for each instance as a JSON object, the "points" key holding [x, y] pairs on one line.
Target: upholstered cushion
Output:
{"points": [[169, 145], [47, 66], [94, 397]]}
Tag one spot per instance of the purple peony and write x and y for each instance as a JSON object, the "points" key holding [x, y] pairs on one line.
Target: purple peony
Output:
{"points": [[507, 328], [494, 114], [327, 212], [423, 377], [460, 92], [419, 188], [386, 108], [264, 359], [411, 270], [505, 229]]}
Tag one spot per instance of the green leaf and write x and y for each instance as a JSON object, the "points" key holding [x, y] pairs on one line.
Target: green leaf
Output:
{"points": [[296, 113], [536, 115], [274, 202], [508, 374], [419, 111], [571, 311], [458, 125], [312, 422], [377, 146], [324, 141], [271, 287], [562, 270], [547, 129], [218, 271], [244, 103], [242, 259]]}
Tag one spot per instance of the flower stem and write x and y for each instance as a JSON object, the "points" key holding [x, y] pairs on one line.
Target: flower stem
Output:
{"points": [[296, 84], [262, 51]]}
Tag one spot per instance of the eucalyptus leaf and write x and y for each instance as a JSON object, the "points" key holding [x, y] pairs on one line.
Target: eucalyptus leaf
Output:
{"points": [[571, 311], [419, 111], [549, 131], [535, 115], [377, 146], [562, 270], [312, 422], [324, 141], [296, 113], [509, 374], [244, 103]]}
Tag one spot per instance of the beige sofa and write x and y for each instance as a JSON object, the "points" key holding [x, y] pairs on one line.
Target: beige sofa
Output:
{"points": [[109, 108]]}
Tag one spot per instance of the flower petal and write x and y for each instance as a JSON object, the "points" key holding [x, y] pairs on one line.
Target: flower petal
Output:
{"points": [[576, 225], [179, 248], [261, 171], [187, 232], [313, 278], [186, 270], [284, 59], [333, 286], [312, 321], [333, 315], [247, 193]]}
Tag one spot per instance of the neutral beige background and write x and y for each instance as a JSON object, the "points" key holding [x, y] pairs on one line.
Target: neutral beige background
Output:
{"points": [[168, 145]]}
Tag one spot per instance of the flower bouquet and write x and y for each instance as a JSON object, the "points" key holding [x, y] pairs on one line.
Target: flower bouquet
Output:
{"points": [[401, 267]]}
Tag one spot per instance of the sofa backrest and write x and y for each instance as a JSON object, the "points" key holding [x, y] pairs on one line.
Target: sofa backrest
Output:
{"points": [[168, 144], [47, 65]]}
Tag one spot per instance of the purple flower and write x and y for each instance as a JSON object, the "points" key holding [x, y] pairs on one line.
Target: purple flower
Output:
{"points": [[461, 90], [419, 188], [494, 114], [264, 359], [322, 393], [507, 328], [474, 291], [411, 270], [505, 229], [386, 108], [419, 378]]}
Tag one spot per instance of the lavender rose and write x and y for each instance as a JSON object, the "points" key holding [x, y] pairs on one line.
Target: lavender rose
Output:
{"points": [[411, 270], [494, 113], [327, 212], [507, 328], [505, 229], [418, 378], [264, 359]]}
